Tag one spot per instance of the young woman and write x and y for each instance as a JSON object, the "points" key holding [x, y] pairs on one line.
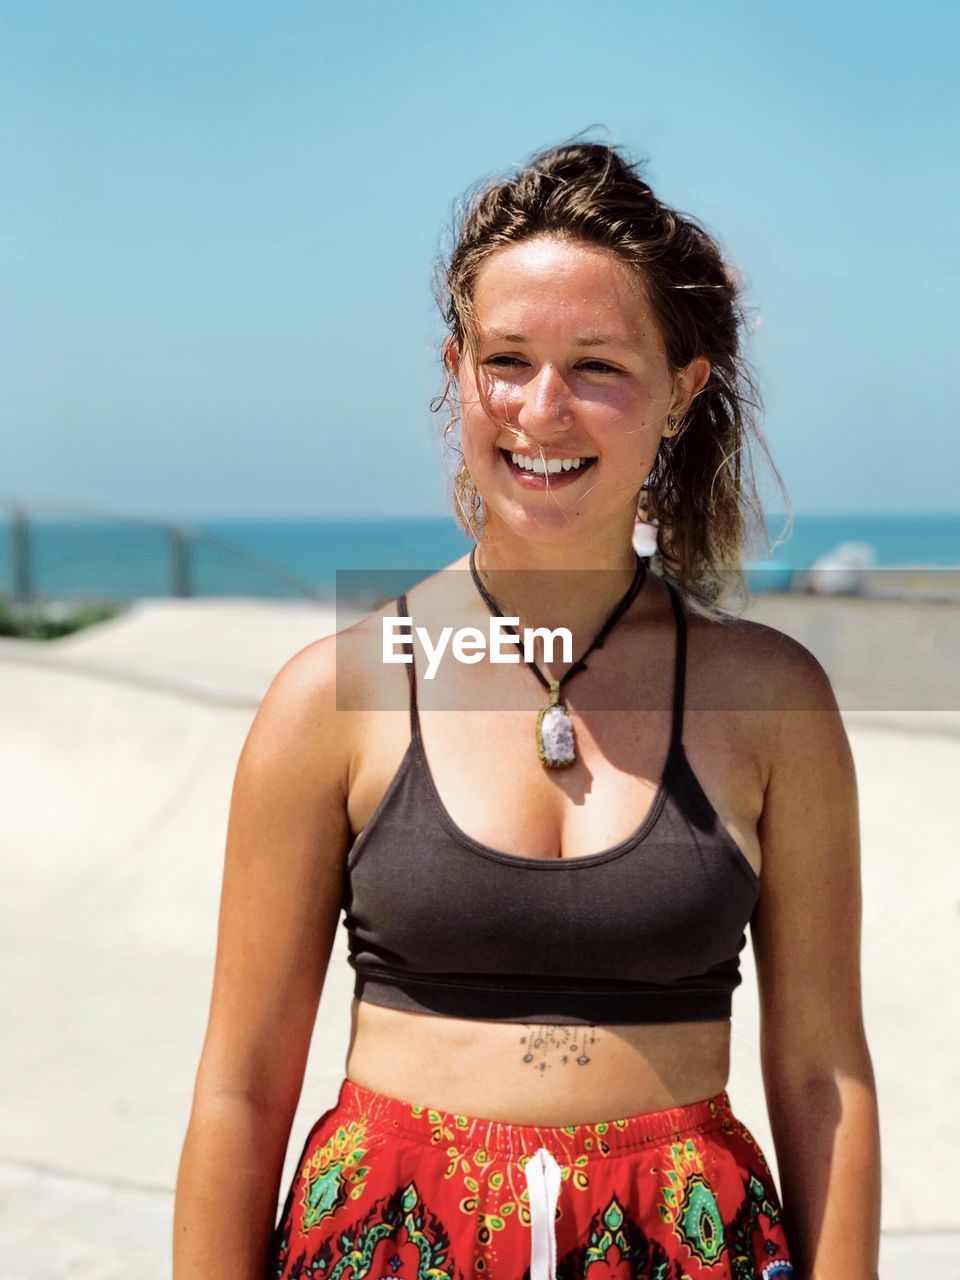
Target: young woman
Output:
{"points": [[547, 866]]}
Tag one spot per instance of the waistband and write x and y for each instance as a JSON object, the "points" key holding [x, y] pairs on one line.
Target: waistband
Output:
{"points": [[431, 1126]]}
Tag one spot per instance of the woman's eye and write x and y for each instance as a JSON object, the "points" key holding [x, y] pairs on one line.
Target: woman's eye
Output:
{"points": [[513, 362], [599, 366]]}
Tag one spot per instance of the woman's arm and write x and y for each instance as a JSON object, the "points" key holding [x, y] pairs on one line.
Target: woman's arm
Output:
{"points": [[817, 1072], [287, 837]]}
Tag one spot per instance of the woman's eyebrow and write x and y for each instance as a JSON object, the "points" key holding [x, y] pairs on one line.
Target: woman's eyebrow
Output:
{"points": [[502, 335], [584, 340], [604, 340]]}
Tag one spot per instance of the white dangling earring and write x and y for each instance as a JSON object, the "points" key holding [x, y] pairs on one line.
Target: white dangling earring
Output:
{"points": [[644, 537]]}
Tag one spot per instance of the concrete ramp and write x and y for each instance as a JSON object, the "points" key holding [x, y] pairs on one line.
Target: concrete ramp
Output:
{"points": [[117, 753]]}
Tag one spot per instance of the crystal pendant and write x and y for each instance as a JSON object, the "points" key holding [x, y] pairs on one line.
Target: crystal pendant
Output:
{"points": [[555, 742]]}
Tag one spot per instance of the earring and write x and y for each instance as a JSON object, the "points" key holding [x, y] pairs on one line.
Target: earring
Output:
{"points": [[671, 421], [645, 534]]}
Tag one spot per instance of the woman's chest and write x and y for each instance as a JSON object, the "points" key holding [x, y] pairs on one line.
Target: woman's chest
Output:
{"points": [[482, 774]]}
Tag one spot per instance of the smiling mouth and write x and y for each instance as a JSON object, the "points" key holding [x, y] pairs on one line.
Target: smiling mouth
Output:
{"points": [[539, 468]]}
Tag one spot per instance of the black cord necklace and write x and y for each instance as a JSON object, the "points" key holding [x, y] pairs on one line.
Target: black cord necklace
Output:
{"points": [[556, 745]]}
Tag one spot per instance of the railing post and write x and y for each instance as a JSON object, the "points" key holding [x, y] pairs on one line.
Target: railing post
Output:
{"points": [[20, 553], [180, 549]]}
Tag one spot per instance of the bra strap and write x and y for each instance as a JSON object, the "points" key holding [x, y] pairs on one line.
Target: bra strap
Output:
{"points": [[679, 669], [411, 670]]}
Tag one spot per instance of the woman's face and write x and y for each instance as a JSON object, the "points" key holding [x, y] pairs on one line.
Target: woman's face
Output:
{"points": [[570, 356]]}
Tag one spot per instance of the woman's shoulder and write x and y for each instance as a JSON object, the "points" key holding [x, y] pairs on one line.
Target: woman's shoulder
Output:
{"points": [[771, 668], [313, 718], [336, 673], [350, 669], [759, 676]]}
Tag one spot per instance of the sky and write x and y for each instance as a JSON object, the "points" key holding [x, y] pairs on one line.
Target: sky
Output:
{"points": [[219, 221]]}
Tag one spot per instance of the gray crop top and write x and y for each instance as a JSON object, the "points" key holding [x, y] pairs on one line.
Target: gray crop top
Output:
{"points": [[649, 930]]}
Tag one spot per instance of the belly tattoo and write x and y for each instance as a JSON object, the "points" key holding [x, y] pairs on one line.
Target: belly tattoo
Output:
{"points": [[558, 1046]]}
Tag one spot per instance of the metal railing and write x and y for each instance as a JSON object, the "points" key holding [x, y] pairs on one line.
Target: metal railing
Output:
{"points": [[183, 542]]}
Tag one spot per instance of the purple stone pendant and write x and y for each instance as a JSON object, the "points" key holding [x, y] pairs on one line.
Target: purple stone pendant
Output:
{"points": [[555, 742]]}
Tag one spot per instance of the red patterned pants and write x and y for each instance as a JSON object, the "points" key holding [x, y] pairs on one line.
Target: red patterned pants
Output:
{"points": [[386, 1190]]}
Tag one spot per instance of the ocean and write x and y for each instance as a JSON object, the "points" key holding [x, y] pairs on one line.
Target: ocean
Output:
{"points": [[120, 560]]}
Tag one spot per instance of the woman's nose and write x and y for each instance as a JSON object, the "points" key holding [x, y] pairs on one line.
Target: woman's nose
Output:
{"points": [[546, 406]]}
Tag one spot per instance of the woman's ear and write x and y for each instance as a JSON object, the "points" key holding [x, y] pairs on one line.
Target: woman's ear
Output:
{"points": [[451, 355], [690, 381], [694, 378]]}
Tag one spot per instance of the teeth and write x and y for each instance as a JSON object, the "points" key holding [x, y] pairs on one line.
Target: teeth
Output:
{"points": [[550, 466]]}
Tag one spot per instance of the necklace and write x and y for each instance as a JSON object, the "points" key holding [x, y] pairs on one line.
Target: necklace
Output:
{"points": [[556, 745]]}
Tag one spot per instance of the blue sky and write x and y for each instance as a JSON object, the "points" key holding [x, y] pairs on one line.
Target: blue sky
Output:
{"points": [[218, 223]]}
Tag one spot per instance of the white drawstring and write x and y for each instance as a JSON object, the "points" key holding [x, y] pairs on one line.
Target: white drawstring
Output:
{"points": [[543, 1186]]}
